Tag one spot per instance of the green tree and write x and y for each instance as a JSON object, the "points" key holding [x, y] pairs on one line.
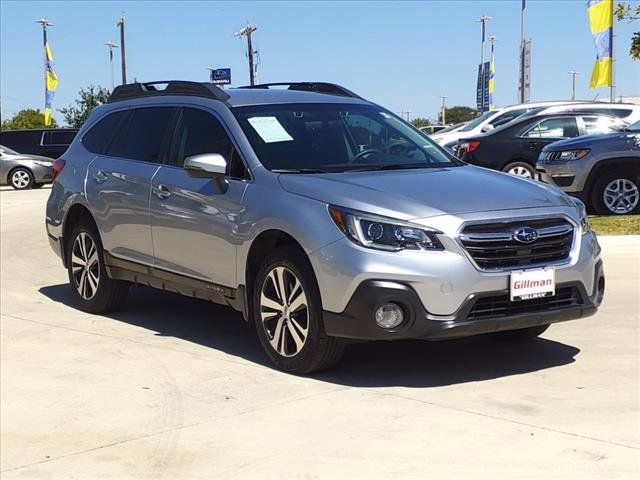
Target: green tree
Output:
{"points": [[458, 114], [624, 11], [27, 119], [88, 99], [420, 122]]}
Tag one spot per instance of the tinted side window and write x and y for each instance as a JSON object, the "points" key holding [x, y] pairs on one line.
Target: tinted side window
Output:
{"points": [[507, 117], [63, 137], [142, 136], [97, 138], [200, 132], [600, 125]]}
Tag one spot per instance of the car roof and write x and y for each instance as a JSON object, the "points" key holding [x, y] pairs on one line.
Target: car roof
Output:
{"points": [[591, 105], [259, 96]]}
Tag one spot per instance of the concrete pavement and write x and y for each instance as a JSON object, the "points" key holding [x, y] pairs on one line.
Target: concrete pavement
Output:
{"points": [[176, 388]]}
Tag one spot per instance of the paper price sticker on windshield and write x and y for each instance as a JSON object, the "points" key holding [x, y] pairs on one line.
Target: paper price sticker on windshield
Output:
{"points": [[270, 129], [531, 284]]}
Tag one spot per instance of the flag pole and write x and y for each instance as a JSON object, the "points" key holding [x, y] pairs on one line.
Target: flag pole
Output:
{"points": [[45, 23], [612, 87]]}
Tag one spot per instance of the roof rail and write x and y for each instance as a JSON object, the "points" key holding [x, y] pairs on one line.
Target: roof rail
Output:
{"points": [[317, 87], [172, 87]]}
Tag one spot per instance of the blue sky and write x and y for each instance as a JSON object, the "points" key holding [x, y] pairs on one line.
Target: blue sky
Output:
{"points": [[403, 55]]}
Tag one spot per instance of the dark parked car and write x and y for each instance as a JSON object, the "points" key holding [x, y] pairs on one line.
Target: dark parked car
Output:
{"points": [[46, 142], [514, 148]]}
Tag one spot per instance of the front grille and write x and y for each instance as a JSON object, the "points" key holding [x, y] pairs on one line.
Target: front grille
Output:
{"points": [[492, 245], [501, 305]]}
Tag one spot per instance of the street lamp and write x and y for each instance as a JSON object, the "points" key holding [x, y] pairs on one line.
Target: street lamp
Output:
{"points": [[573, 74], [482, 20], [110, 45]]}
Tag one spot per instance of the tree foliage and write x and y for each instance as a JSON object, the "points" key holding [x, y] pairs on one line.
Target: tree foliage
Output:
{"points": [[624, 11], [27, 119], [419, 122], [88, 99], [458, 114]]}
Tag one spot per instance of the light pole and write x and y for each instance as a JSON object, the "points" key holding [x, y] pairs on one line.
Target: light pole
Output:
{"points": [[482, 20], [443, 121], [573, 74], [122, 52], [110, 45]]}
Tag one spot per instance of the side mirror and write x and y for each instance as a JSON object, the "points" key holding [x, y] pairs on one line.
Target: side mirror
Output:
{"points": [[206, 165], [487, 128]]}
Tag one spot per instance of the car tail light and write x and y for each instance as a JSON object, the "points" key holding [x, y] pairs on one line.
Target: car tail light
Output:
{"points": [[56, 168], [468, 147]]}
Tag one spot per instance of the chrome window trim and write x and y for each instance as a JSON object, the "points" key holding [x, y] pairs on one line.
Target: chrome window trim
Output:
{"points": [[572, 258]]}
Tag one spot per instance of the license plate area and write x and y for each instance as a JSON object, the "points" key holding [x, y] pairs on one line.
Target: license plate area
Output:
{"points": [[530, 284]]}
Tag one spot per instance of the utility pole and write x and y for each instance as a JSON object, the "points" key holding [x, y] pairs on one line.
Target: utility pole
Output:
{"points": [[482, 20], [443, 121], [45, 23], [110, 45], [122, 53], [573, 74], [247, 31], [521, 80]]}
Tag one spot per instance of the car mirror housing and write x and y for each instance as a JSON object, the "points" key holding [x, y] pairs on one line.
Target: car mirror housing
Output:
{"points": [[487, 128], [206, 165]]}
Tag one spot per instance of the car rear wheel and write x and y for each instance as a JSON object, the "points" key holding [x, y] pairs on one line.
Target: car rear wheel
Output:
{"points": [[92, 287], [522, 334], [520, 169], [21, 178], [287, 311], [617, 193]]}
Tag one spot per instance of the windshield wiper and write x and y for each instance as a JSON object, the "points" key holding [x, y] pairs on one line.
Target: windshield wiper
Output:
{"points": [[299, 170]]}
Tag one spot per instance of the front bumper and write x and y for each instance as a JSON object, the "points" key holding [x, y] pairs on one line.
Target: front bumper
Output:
{"points": [[564, 175], [357, 320]]}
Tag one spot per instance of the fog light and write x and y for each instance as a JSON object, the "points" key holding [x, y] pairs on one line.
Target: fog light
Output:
{"points": [[389, 315]]}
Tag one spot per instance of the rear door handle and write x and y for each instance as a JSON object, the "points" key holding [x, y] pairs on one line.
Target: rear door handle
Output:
{"points": [[100, 177], [161, 192]]}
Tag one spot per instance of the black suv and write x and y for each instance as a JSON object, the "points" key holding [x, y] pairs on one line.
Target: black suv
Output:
{"points": [[47, 142]]}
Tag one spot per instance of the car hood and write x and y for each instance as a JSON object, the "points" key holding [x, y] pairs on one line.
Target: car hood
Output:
{"points": [[412, 194], [588, 141]]}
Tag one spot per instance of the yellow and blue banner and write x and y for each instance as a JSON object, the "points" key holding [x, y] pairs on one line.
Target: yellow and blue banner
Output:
{"points": [[51, 84], [600, 13], [492, 73]]}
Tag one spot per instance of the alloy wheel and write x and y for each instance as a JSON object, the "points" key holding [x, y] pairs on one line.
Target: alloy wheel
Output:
{"points": [[20, 179], [284, 311], [85, 266], [621, 196], [520, 172]]}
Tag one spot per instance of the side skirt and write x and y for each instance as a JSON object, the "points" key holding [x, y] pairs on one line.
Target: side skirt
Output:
{"points": [[133, 272]]}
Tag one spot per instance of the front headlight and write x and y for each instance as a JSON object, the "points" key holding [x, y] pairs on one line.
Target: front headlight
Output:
{"points": [[569, 155], [383, 233], [582, 214]]}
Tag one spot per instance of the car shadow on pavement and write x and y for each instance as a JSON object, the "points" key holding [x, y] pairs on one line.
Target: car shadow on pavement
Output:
{"points": [[408, 363]]}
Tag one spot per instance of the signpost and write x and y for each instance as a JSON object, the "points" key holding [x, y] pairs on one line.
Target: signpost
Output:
{"points": [[221, 76]]}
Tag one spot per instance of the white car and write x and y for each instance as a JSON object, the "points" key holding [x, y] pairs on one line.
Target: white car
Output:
{"points": [[488, 121]]}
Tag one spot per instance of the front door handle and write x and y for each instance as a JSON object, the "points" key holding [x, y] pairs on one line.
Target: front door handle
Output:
{"points": [[100, 177], [161, 192]]}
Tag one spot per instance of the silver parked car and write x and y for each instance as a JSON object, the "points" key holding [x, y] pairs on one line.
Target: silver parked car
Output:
{"points": [[320, 216], [601, 170], [23, 171]]}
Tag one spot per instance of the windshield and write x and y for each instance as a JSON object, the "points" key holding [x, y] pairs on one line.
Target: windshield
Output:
{"points": [[634, 127], [8, 151], [451, 128], [474, 123], [319, 137]]}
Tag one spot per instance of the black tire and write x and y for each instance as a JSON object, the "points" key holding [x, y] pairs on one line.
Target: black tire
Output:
{"points": [[109, 294], [519, 166], [319, 351], [598, 192], [522, 334], [37, 185], [21, 178]]}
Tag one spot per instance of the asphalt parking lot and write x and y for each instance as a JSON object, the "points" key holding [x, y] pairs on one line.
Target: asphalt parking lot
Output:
{"points": [[177, 388]]}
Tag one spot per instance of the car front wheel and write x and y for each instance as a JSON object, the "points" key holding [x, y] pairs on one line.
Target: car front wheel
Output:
{"points": [[617, 193], [21, 179], [287, 311]]}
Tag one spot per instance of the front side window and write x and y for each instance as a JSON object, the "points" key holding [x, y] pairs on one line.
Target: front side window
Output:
{"points": [[142, 136], [601, 125], [199, 132], [334, 138], [564, 127]]}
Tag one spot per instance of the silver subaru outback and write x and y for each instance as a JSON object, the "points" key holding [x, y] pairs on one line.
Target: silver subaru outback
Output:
{"points": [[322, 217]]}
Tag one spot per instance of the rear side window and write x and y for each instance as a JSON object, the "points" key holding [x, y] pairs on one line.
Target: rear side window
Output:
{"points": [[143, 135], [200, 132], [97, 138], [600, 125], [60, 137]]}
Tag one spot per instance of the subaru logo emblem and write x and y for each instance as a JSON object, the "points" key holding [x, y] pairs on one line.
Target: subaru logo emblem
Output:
{"points": [[525, 235]]}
